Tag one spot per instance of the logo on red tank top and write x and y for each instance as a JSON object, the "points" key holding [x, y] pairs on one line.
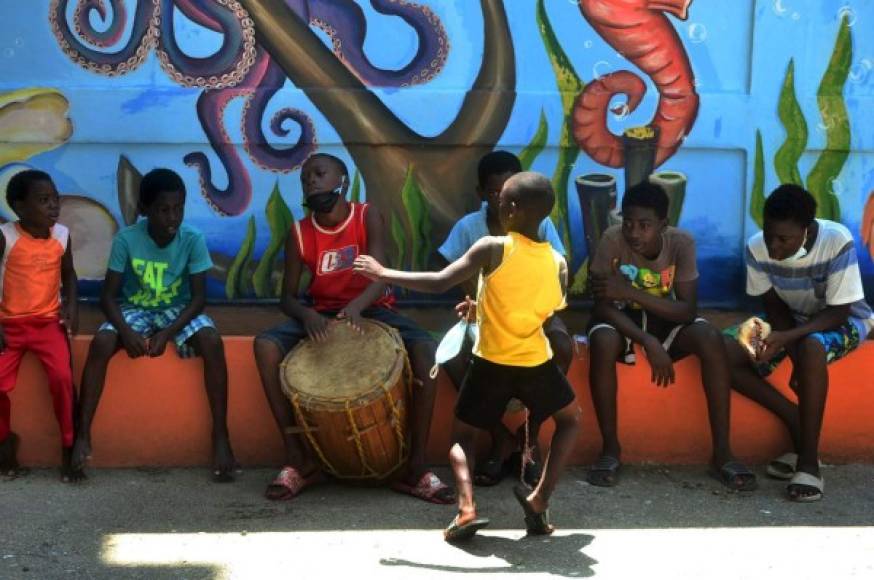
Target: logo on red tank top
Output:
{"points": [[337, 259]]}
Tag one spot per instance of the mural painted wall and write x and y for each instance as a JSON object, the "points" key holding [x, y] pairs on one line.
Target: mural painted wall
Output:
{"points": [[721, 101]]}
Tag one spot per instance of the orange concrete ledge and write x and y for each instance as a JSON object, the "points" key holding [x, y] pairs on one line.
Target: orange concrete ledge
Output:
{"points": [[154, 413]]}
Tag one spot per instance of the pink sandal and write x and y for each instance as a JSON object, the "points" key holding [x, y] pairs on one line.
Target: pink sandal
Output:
{"points": [[429, 488], [290, 483]]}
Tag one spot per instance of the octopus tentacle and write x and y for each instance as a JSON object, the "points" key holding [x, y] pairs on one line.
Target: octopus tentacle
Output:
{"points": [[346, 25], [143, 35], [280, 160], [224, 69], [113, 32], [235, 197]]}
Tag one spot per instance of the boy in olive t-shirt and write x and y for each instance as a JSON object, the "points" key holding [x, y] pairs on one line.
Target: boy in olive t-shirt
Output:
{"points": [[645, 283]]}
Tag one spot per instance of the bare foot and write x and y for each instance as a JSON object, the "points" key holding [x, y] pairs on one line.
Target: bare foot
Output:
{"points": [[80, 454], [9, 466], [68, 474], [223, 462]]}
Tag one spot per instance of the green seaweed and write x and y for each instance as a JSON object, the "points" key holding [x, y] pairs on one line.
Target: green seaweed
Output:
{"points": [[279, 219], [237, 283], [419, 219], [580, 280], [538, 142], [789, 111], [355, 194], [569, 86], [757, 197], [829, 96], [400, 240]]}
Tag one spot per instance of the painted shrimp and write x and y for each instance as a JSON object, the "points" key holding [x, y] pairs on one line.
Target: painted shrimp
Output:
{"points": [[640, 31]]}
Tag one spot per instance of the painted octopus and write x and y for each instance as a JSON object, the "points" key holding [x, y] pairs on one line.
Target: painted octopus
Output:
{"points": [[640, 31], [240, 68]]}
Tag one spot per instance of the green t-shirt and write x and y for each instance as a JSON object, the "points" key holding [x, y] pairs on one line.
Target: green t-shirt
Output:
{"points": [[153, 277]]}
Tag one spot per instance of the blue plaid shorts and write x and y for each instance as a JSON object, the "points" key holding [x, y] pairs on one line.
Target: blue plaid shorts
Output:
{"points": [[148, 322]]}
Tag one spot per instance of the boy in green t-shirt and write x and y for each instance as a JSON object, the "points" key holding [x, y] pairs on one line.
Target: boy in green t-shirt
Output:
{"points": [[159, 264]]}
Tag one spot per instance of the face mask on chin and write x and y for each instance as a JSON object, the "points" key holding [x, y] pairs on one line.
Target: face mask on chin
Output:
{"points": [[325, 201]]}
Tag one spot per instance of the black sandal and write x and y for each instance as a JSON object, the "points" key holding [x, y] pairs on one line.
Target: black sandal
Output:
{"points": [[536, 524], [605, 472], [490, 473]]}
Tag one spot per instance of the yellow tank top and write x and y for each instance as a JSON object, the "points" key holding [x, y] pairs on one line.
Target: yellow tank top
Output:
{"points": [[514, 301]]}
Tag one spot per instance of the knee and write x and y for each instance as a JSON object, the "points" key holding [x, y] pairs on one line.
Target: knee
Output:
{"points": [[811, 352], [209, 342], [562, 349], [569, 417], [707, 340], [605, 340], [102, 347]]}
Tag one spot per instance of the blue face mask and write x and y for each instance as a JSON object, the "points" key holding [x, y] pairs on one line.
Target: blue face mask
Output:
{"points": [[452, 342]]}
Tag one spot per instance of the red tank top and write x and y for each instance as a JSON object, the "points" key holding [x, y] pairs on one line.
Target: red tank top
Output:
{"points": [[330, 254]]}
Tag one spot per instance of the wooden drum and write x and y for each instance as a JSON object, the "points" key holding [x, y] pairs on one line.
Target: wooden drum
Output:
{"points": [[350, 396]]}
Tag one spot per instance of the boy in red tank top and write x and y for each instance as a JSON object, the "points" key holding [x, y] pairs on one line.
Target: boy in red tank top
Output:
{"points": [[36, 261], [326, 243]]}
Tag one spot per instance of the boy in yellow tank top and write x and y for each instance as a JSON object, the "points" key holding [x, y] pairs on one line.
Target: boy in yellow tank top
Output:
{"points": [[522, 283]]}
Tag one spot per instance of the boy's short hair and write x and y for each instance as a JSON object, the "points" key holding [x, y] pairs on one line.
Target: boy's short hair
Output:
{"points": [[19, 185], [159, 181], [791, 202], [341, 165], [647, 195], [534, 194], [497, 163]]}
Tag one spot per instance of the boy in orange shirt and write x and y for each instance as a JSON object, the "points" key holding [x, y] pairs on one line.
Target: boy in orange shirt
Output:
{"points": [[36, 260]]}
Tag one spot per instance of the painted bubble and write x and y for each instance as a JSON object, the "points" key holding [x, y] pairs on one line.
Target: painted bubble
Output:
{"points": [[848, 13], [621, 112], [697, 32], [859, 71], [599, 69]]}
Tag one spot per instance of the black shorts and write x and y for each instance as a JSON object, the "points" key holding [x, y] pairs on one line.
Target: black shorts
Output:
{"points": [[488, 387], [666, 332]]}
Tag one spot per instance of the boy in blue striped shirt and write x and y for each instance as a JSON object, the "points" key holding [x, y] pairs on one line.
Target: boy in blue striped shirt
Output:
{"points": [[807, 273]]}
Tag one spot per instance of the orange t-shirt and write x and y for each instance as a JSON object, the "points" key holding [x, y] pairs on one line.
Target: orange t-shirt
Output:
{"points": [[30, 272]]}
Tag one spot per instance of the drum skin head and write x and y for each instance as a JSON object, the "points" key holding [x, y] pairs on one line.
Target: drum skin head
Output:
{"points": [[346, 367]]}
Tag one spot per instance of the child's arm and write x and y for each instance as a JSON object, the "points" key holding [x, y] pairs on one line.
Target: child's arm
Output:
{"points": [[133, 342], [682, 310], [376, 246], [70, 291], [785, 330], [481, 256], [197, 283], [315, 324]]}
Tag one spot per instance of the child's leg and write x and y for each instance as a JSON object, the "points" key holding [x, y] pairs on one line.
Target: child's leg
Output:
{"points": [[270, 348], [810, 360], [49, 343], [605, 347], [208, 344], [10, 360], [103, 346], [746, 380], [463, 463], [705, 341]]}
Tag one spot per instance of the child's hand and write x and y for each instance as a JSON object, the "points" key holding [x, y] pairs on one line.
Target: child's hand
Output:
{"points": [[772, 345], [660, 362], [70, 320], [613, 286], [466, 309], [352, 316], [369, 267], [158, 343], [134, 344], [316, 325]]}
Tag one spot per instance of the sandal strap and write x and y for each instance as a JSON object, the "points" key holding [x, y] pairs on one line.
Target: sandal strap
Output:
{"points": [[809, 480]]}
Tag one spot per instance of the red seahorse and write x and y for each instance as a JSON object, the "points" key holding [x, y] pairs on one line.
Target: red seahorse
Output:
{"points": [[641, 32]]}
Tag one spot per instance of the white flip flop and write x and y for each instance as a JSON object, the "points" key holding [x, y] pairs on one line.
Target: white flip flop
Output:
{"points": [[802, 478]]}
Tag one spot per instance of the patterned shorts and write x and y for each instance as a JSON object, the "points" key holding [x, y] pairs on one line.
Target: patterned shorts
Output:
{"points": [[838, 343], [149, 322]]}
